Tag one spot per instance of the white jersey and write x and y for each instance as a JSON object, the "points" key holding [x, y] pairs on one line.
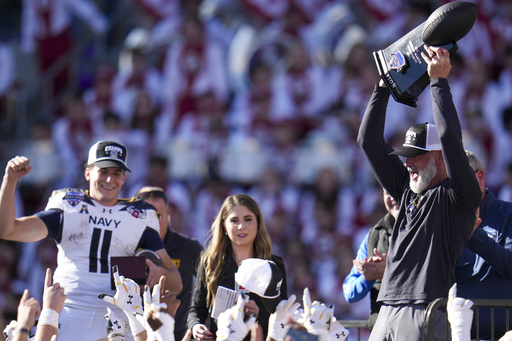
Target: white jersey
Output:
{"points": [[88, 235]]}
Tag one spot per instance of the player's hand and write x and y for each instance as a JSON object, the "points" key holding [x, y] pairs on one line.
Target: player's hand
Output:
{"points": [[28, 309], [231, 325], [127, 295], [53, 294], [298, 317], [317, 316], [115, 326], [337, 332], [159, 323], [279, 322], [155, 272], [460, 315], [251, 308], [438, 61], [17, 167], [9, 329], [172, 302]]}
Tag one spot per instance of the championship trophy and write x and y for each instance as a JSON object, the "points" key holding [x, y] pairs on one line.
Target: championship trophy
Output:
{"points": [[401, 66]]}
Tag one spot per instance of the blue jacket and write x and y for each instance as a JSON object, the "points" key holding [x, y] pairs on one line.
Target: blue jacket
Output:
{"points": [[355, 286]]}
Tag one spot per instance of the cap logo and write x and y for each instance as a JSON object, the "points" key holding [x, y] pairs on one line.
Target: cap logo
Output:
{"points": [[410, 137], [113, 151]]}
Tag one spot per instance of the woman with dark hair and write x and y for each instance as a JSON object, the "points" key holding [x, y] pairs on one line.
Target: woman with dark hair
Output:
{"points": [[238, 233]]}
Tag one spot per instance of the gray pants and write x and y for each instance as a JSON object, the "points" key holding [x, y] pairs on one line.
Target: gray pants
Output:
{"points": [[405, 323]]}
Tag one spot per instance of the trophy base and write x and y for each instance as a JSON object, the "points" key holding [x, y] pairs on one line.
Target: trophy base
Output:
{"points": [[402, 68]]}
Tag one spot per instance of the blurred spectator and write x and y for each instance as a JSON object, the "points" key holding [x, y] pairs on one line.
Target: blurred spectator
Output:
{"points": [[8, 260], [505, 192], [194, 66], [135, 74], [299, 85], [326, 195], [7, 72], [44, 157], [179, 195], [34, 259], [72, 135], [208, 200], [98, 99], [46, 30], [274, 193]]}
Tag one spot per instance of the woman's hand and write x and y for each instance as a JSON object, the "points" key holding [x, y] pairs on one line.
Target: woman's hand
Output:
{"points": [[201, 333], [251, 308]]}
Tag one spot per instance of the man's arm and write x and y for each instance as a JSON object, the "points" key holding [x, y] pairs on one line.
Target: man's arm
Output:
{"points": [[25, 229], [388, 169], [497, 255], [448, 126], [169, 271]]}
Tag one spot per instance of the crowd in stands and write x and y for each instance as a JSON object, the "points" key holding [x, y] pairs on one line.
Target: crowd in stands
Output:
{"points": [[263, 97]]}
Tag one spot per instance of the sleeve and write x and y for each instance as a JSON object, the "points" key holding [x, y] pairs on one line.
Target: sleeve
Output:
{"points": [[388, 169], [450, 133], [198, 311], [150, 240], [53, 219], [497, 255], [355, 286]]}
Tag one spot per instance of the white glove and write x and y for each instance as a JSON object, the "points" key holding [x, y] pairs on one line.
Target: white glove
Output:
{"points": [[115, 326], [127, 295], [127, 298], [159, 324], [317, 316], [298, 316], [507, 336], [9, 329], [337, 332], [460, 315], [231, 325], [279, 321]]}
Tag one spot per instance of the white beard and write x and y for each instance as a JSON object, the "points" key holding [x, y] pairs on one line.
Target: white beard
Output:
{"points": [[425, 176]]}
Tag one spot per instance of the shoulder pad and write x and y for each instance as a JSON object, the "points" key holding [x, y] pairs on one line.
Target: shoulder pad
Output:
{"points": [[67, 190]]}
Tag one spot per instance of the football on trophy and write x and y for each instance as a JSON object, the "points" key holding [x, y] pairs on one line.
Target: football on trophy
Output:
{"points": [[151, 255], [449, 23]]}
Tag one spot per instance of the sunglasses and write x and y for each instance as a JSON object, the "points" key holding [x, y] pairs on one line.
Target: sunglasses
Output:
{"points": [[154, 194]]}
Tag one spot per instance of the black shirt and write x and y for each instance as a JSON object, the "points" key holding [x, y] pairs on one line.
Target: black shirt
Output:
{"points": [[199, 312], [185, 252], [425, 245]]}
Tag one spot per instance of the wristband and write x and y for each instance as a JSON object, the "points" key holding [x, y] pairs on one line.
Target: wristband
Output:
{"points": [[49, 317], [22, 331]]}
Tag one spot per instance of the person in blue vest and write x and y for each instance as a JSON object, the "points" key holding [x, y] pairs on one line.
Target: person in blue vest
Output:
{"points": [[370, 263]]}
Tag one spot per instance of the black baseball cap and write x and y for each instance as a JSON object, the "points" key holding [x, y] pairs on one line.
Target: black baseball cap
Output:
{"points": [[106, 154], [420, 139]]}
